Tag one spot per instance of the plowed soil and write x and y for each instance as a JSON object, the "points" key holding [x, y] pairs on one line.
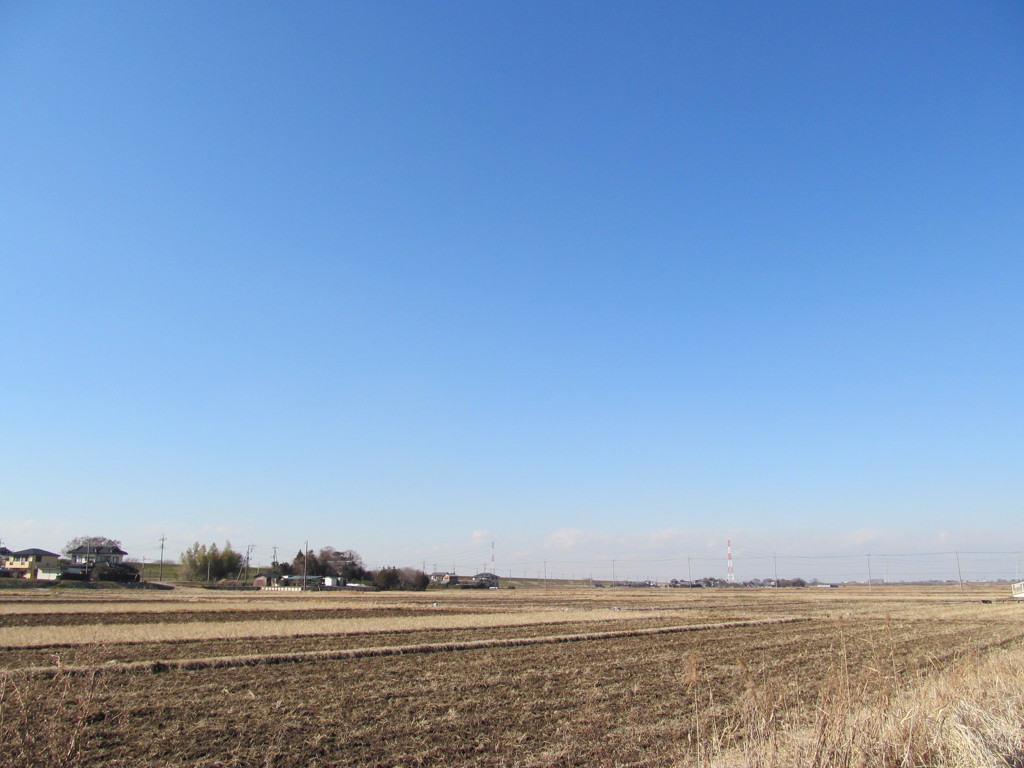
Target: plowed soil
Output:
{"points": [[638, 701]]}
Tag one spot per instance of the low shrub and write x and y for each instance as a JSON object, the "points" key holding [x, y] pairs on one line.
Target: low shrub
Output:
{"points": [[119, 572]]}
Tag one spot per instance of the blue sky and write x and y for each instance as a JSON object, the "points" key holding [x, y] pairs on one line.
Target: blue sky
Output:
{"points": [[588, 280]]}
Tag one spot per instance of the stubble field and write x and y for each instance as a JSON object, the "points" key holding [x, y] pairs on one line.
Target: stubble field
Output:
{"points": [[895, 676]]}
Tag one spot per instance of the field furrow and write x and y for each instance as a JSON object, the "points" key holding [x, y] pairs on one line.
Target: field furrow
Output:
{"points": [[515, 694]]}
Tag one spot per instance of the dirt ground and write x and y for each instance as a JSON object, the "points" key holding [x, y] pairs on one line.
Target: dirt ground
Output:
{"points": [[645, 700]]}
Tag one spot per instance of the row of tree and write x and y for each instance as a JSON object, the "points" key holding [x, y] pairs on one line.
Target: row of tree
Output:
{"points": [[342, 564], [212, 563], [208, 563], [401, 578]]}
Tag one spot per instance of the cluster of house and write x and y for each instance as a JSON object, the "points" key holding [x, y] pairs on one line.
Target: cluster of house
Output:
{"points": [[275, 581], [40, 564], [438, 578], [480, 581]]}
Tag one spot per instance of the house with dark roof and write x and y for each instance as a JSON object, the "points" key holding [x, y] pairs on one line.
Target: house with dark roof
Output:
{"points": [[87, 554], [489, 580], [27, 562]]}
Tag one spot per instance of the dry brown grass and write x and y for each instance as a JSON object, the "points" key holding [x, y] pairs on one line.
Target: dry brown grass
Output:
{"points": [[51, 730], [883, 679], [969, 714], [254, 660], [88, 634]]}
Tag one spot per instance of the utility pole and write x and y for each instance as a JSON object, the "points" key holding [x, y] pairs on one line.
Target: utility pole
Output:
{"points": [[163, 538], [545, 574], [248, 552], [775, 559], [613, 573], [959, 575], [305, 561], [689, 572], [869, 573]]}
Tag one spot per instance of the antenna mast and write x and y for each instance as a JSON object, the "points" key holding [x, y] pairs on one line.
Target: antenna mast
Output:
{"points": [[730, 574]]}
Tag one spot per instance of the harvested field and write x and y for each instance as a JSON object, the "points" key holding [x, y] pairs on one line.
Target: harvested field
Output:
{"points": [[96, 634], [855, 678], [109, 618], [95, 654]]}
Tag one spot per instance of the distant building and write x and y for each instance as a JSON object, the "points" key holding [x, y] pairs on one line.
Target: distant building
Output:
{"points": [[486, 580], [444, 578], [50, 572], [104, 554], [301, 581], [26, 563], [264, 580]]}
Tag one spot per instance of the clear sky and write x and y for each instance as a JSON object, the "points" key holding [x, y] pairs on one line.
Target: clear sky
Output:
{"points": [[589, 280]]}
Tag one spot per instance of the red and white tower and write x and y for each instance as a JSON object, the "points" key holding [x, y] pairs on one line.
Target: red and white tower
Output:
{"points": [[730, 574]]}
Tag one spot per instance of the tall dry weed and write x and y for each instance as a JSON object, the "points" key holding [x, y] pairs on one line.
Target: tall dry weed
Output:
{"points": [[761, 717], [49, 721], [968, 715]]}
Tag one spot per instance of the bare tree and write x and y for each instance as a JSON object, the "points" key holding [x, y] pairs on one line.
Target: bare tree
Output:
{"points": [[90, 542]]}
